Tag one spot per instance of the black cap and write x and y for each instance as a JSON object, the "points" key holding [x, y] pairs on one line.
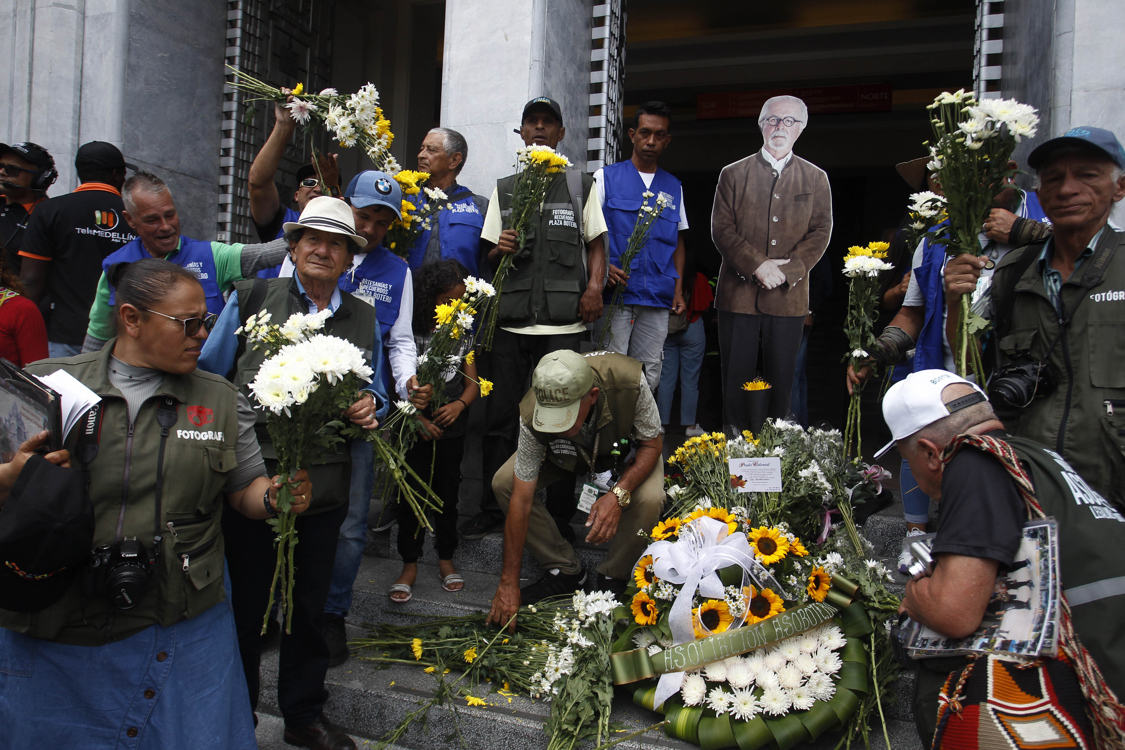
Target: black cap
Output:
{"points": [[46, 531], [305, 170], [97, 155], [31, 152], [543, 102], [1083, 136]]}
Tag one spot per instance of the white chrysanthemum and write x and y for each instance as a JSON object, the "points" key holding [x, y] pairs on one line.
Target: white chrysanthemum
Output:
{"points": [[664, 591], [828, 661], [821, 686], [790, 677], [665, 641], [756, 663], [693, 690], [647, 194], [329, 92], [832, 562], [739, 675], [802, 698], [808, 643], [643, 638], [774, 701], [805, 664], [654, 649], [744, 705], [716, 671], [775, 660], [406, 406], [464, 320], [834, 633], [301, 110], [345, 133], [335, 118], [790, 648], [718, 700], [767, 679]]}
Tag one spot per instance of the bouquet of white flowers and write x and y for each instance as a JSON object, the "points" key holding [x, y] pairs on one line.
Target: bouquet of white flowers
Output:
{"points": [[306, 382]]}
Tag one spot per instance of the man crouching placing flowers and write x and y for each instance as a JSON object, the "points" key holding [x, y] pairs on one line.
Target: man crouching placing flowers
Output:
{"points": [[306, 377]]}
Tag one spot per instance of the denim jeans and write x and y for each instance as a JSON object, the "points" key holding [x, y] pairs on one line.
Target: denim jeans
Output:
{"points": [[56, 350], [639, 331], [683, 358], [353, 532]]}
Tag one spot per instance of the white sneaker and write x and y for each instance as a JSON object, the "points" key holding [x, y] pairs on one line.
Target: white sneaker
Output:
{"points": [[694, 431], [905, 558]]}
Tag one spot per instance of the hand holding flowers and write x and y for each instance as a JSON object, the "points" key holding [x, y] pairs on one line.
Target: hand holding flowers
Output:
{"points": [[862, 266]]}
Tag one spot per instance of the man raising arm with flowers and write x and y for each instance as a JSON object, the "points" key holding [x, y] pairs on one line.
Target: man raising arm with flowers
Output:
{"points": [[577, 411]]}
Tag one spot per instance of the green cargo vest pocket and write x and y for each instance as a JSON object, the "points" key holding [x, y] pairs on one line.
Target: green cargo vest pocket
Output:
{"points": [[515, 300], [562, 300], [18, 659], [565, 246], [1018, 342], [202, 568], [1107, 341], [1112, 472], [218, 461]]}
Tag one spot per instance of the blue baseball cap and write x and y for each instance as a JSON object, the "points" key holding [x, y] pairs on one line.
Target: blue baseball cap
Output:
{"points": [[1084, 136], [373, 188]]}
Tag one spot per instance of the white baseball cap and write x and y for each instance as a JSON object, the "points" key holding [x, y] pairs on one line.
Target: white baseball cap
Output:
{"points": [[560, 381], [915, 403]]}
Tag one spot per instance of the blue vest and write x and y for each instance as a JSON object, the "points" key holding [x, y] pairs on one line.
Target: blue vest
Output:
{"points": [[652, 279], [271, 273], [194, 255], [929, 351], [459, 227], [380, 278]]}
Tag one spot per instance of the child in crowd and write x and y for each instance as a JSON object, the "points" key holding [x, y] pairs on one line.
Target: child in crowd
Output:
{"points": [[437, 456]]}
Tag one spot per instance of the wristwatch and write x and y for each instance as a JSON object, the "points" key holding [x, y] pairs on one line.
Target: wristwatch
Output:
{"points": [[623, 496], [334, 191]]}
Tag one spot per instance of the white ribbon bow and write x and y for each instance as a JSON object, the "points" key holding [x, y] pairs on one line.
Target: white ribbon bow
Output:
{"points": [[704, 546]]}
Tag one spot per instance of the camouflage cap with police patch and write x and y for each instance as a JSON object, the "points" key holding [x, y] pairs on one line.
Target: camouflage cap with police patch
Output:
{"points": [[560, 381]]}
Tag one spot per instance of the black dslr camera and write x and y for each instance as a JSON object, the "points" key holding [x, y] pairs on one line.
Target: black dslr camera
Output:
{"points": [[122, 572], [1018, 383]]}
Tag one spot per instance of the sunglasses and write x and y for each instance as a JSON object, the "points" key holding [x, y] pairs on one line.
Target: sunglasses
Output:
{"points": [[13, 170], [310, 182], [191, 325]]}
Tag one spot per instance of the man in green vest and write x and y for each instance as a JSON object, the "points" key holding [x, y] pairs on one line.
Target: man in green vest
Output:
{"points": [[1063, 385], [573, 422], [554, 288], [979, 528]]}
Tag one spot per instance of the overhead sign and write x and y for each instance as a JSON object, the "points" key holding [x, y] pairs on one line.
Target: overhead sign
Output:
{"points": [[821, 100]]}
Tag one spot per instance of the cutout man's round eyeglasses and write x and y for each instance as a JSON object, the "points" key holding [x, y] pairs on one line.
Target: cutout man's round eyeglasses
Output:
{"points": [[786, 121]]}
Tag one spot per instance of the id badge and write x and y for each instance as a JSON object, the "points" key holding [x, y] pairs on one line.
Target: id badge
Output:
{"points": [[590, 493]]}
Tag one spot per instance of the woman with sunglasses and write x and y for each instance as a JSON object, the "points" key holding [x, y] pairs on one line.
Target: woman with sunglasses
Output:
{"points": [[140, 650]]}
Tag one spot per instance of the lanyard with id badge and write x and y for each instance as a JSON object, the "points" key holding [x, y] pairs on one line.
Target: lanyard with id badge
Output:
{"points": [[599, 483]]}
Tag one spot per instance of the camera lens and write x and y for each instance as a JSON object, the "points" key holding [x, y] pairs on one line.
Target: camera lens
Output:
{"points": [[127, 584]]}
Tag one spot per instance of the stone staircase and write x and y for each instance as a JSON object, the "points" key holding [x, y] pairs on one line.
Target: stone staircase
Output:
{"points": [[370, 702]]}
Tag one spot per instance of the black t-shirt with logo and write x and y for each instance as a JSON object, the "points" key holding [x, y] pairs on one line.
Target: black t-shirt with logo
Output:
{"points": [[13, 224], [75, 233]]}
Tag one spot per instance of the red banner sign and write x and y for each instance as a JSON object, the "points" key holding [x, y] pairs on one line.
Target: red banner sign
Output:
{"points": [[821, 100]]}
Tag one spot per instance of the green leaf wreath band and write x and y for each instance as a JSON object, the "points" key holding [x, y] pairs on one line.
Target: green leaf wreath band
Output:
{"points": [[631, 666]]}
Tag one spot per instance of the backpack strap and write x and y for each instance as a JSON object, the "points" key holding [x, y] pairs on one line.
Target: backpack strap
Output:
{"points": [[574, 187]]}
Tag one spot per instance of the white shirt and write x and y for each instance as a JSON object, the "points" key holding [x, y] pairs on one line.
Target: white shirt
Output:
{"points": [[402, 355], [646, 178], [777, 164]]}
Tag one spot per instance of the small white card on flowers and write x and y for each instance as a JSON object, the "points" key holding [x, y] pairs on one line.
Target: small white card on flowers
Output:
{"points": [[756, 474]]}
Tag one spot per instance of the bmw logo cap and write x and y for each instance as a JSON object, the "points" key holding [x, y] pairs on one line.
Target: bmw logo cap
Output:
{"points": [[373, 188]]}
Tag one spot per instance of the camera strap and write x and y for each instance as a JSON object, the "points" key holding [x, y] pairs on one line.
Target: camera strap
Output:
{"points": [[86, 449], [166, 418]]}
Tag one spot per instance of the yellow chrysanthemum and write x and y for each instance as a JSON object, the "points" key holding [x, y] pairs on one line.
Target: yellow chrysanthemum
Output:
{"points": [[873, 250], [472, 700], [749, 437], [471, 357], [666, 529], [762, 605], [819, 581], [798, 549], [430, 670], [416, 647], [409, 180], [757, 384], [485, 386], [444, 313], [769, 544], [643, 574], [713, 615], [470, 655], [298, 89], [644, 609]]}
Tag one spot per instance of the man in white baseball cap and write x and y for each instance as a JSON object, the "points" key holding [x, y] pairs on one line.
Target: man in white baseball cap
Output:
{"points": [[960, 453], [575, 421]]}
